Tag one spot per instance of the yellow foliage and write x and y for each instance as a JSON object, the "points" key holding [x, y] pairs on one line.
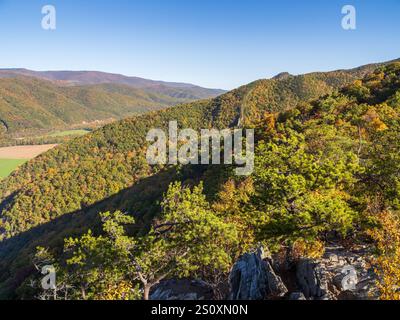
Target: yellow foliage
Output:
{"points": [[231, 200], [51, 171], [233, 195], [387, 238], [269, 122], [121, 291], [358, 83], [308, 249], [339, 123], [381, 75], [373, 119]]}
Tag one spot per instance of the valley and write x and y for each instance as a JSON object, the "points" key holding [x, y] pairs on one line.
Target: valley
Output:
{"points": [[40, 102], [298, 119], [199, 158], [45, 108], [325, 179], [66, 133]]}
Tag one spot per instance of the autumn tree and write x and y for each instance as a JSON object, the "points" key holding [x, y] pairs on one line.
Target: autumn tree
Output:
{"points": [[387, 238], [188, 239], [301, 193]]}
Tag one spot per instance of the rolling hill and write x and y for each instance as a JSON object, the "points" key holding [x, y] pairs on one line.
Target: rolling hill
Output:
{"points": [[32, 101], [83, 78], [61, 192], [28, 103]]}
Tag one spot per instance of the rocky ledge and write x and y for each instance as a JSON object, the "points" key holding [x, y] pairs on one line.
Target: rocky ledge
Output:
{"points": [[341, 274]]}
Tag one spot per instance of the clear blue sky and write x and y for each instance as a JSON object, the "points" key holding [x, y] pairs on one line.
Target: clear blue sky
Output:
{"points": [[213, 43]]}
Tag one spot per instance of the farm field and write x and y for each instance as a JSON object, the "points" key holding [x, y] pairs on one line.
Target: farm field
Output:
{"points": [[9, 165], [12, 157], [77, 132]]}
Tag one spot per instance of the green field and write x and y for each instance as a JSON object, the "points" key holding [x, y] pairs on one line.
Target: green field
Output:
{"points": [[66, 133], [9, 165]]}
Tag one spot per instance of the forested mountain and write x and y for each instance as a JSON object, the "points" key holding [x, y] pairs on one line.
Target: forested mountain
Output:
{"points": [[29, 103], [320, 166], [31, 100], [83, 78]]}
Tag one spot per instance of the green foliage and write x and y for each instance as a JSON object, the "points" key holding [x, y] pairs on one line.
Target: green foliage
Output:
{"points": [[97, 265], [188, 240], [105, 162], [284, 93], [301, 194], [64, 133], [323, 166], [189, 222], [31, 104]]}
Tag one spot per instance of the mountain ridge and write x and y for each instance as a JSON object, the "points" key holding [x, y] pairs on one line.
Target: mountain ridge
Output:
{"points": [[248, 102], [107, 169], [28, 104], [91, 77]]}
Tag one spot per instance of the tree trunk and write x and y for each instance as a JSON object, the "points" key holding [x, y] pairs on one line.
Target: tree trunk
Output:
{"points": [[146, 292], [83, 292]]}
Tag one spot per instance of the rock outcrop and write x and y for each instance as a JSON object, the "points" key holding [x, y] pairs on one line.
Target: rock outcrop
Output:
{"points": [[313, 280], [351, 273], [253, 278], [339, 275], [182, 290], [297, 296]]}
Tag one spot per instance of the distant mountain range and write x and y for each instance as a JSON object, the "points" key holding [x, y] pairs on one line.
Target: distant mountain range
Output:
{"points": [[83, 78], [61, 192], [31, 100]]}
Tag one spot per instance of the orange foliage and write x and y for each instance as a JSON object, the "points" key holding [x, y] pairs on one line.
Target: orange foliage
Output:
{"points": [[387, 264]]}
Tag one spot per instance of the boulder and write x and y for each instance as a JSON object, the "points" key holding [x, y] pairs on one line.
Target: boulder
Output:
{"points": [[182, 290], [313, 280], [275, 285], [347, 279], [343, 274], [297, 296], [253, 278]]}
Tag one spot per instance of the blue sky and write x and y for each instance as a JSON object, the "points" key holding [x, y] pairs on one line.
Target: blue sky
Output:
{"points": [[213, 43]]}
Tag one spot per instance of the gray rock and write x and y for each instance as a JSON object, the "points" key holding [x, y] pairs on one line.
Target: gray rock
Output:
{"points": [[352, 277], [253, 278], [347, 279], [347, 295], [297, 296], [367, 289], [182, 290], [313, 280], [333, 258], [275, 285]]}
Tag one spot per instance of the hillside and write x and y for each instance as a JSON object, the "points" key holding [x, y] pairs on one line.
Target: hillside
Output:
{"points": [[28, 103], [31, 101], [127, 137], [84, 78], [60, 193]]}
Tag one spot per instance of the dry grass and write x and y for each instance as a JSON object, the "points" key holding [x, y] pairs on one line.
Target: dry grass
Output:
{"points": [[24, 152]]}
